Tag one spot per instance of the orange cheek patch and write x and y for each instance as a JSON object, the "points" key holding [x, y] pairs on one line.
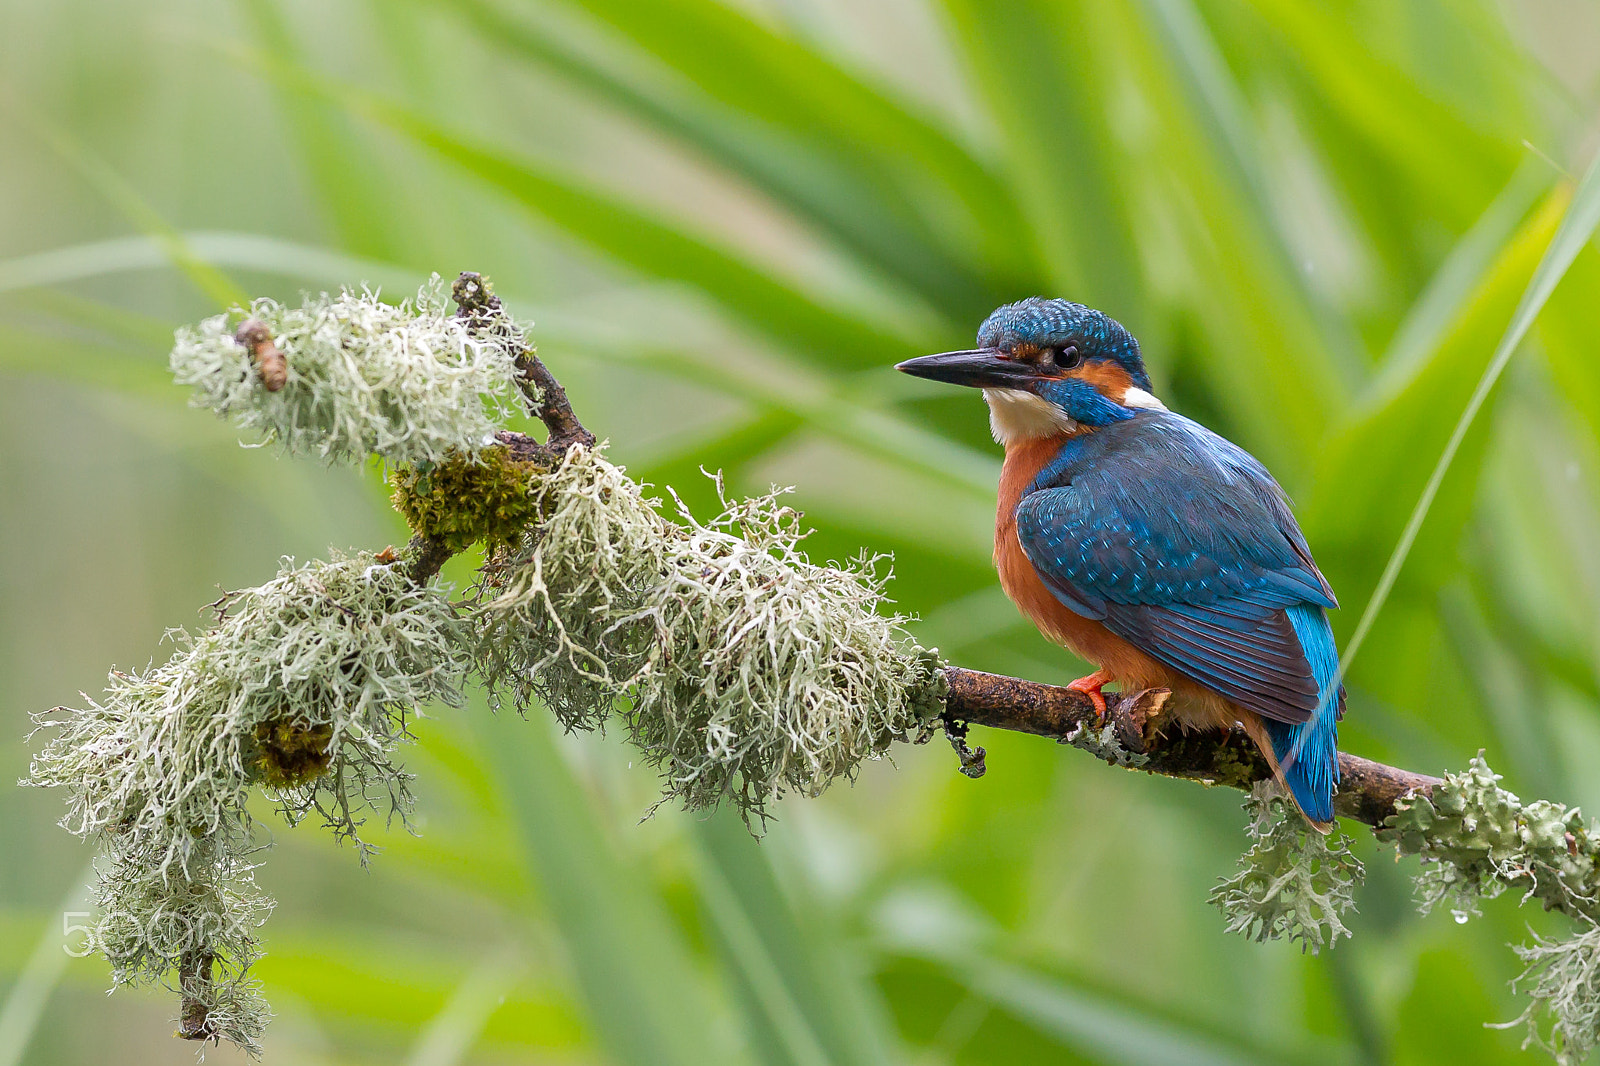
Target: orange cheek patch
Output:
{"points": [[1108, 378]]}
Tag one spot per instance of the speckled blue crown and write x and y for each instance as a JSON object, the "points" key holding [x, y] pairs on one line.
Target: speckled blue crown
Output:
{"points": [[1056, 323]]}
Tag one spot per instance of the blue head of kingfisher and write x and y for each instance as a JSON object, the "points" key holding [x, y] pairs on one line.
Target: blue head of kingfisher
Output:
{"points": [[1047, 366], [1150, 546]]}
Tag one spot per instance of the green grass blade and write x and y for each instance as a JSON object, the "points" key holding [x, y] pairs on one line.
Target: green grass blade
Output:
{"points": [[1387, 108], [1064, 155], [1002, 996], [356, 195], [30, 994], [1567, 333], [450, 1034], [647, 1003], [1577, 227], [1222, 112], [1442, 298], [635, 237], [242, 251], [1096, 1027], [780, 82], [375, 979], [116, 191], [782, 963], [1261, 356], [820, 178], [1369, 464]]}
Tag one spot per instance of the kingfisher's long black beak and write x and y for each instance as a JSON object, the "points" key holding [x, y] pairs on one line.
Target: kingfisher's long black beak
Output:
{"points": [[982, 368]]}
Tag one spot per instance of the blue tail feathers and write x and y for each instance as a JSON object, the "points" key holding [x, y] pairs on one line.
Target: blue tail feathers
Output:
{"points": [[1309, 751]]}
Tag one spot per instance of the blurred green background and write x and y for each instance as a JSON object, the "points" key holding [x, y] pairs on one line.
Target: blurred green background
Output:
{"points": [[728, 219]]}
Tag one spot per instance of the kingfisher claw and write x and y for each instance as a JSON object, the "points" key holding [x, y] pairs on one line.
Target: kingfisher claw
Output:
{"points": [[1090, 687]]}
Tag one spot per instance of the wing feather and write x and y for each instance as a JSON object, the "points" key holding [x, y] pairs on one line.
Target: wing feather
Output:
{"points": [[1182, 544]]}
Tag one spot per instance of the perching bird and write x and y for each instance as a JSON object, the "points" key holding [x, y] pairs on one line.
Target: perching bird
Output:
{"points": [[1150, 546]]}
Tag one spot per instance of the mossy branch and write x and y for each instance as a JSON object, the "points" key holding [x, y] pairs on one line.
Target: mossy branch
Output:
{"points": [[1367, 792], [740, 668]]}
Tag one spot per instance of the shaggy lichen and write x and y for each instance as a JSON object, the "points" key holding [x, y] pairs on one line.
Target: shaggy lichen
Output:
{"points": [[1292, 883], [740, 668], [304, 685], [463, 501], [1563, 983], [410, 382]]}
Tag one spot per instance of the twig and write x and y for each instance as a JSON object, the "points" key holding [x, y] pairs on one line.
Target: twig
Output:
{"points": [[1367, 789], [194, 984], [428, 555], [474, 298], [475, 303]]}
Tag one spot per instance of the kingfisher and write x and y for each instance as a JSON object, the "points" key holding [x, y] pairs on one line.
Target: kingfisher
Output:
{"points": [[1150, 546]]}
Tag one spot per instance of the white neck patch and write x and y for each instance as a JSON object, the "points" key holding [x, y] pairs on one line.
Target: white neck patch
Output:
{"points": [[1015, 415]]}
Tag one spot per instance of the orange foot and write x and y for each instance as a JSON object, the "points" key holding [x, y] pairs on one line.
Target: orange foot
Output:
{"points": [[1090, 686]]}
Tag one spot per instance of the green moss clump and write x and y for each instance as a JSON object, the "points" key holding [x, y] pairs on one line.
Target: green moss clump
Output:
{"points": [[290, 753], [463, 500]]}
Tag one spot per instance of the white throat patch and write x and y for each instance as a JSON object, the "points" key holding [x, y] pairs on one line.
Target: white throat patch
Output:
{"points": [[1015, 415]]}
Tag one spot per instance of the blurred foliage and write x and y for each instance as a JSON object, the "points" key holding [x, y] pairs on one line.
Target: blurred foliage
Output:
{"points": [[727, 220]]}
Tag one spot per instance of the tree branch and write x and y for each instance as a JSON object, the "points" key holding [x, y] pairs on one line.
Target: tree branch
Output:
{"points": [[475, 302], [194, 983], [474, 298], [1367, 789]]}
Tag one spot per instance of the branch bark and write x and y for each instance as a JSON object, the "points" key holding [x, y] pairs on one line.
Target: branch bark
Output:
{"points": [[194, 984], [474, 298], [1367, 789]]}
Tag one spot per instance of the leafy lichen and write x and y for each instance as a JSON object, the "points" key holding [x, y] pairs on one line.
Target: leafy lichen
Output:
{"points": [[1292, 883], [1104, 744], [1477, 839]]}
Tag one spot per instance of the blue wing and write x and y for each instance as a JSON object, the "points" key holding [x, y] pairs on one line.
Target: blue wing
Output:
{"points": [[1183, 545]]}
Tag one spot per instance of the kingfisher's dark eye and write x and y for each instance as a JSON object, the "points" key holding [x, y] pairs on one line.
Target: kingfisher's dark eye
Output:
{"points": [[1067, 358]]}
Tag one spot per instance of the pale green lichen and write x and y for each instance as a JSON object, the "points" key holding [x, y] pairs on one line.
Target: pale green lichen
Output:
{"points": [[410, 383], [1105, 745], [340, 654], [1475, 840], [1292, 883], [1563, 983], [206, 906], [740, 668]]}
